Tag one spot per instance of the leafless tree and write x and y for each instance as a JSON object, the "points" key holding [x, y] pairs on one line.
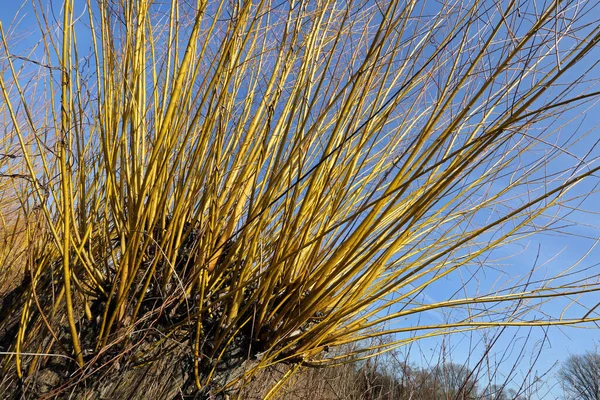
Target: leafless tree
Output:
{"points": [[580, 376], [455, 381]]}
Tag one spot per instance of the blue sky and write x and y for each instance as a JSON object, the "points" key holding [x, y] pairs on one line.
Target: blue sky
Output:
{"points": [[554, 252]]}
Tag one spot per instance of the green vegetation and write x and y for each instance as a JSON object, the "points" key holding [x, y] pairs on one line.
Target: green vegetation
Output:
{"points": [[221, 187]]}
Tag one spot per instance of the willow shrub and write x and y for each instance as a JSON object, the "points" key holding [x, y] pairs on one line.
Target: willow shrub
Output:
{"points": [[263, 180]]}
